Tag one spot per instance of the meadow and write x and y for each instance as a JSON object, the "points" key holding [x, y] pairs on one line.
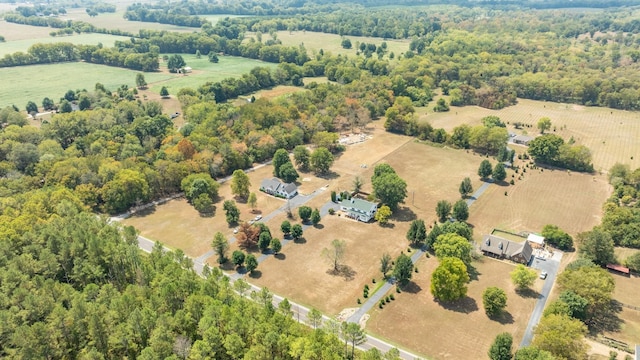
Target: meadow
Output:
{"points": [[23, 45], [116, 20]]}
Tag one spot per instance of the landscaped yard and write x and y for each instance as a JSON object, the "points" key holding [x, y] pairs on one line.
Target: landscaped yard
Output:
{"points": [[460, 330]]}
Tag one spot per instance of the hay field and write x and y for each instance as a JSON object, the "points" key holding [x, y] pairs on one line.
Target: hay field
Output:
{"points": [[116, 20], [23, 45], [14, 32]]}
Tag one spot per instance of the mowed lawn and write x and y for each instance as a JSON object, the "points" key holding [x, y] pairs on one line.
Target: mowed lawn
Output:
{"points": [[573, 201], [10, 47], [460, 330]]}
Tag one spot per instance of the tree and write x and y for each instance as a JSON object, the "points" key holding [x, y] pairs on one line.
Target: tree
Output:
{"points": [[196, 184], [47, 104], [302, 157], [321, 160], [275, 245], [595, 285], [252, 201], [485, 169], [403, 270], [523, 277], [237, 258], [31, 107], [314, 316], [449, 280], [532, 353], [84, 102], [385, 264], [353, 333], [553, 235], [164, 92], [633, 262], [417, 233], [175, 63], [288, 173], [358, 182], [220, 245], [315, 217], [248, 235], [296, 232], [562, 336], [280, 157], [383, 214], [501, 347], [461, 210], [251, 263], [388, 187], [597, 246], [346, 43], [305, 213], [465, 187], [65, 107], [335, 253], [232, 212], [203, 204], [545, 148], [141, 83], [213, 57], [491, 121], [577, 305], [453, 245], [443, 209], [285, 227], [499, 173], [264, 241], [240, 184], [494, 300], [544, 124]]}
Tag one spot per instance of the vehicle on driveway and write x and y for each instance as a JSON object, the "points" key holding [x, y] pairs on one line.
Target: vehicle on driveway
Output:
{"points": [[258, 217], [543, 275]]}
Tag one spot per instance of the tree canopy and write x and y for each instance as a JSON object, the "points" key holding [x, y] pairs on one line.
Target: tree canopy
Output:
{"points": [[449, 280]]}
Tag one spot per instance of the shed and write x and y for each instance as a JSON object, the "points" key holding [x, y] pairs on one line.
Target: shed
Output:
{"points": [[536, 239], [522, 140], [187, 69], [619, 269]]}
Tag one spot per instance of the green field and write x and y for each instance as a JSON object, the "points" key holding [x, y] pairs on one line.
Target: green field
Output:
{"points": [[39, 81], [10, 47], [116, 21]]}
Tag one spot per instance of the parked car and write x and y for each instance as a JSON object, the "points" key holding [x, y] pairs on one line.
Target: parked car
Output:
{"points": [[543, 275], [258, 217], [235, 231]]}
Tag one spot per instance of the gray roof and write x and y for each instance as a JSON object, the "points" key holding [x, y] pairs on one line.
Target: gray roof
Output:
{"points": [[358, 204], [522, 138], [274, 184], [503, 247], [290, 187]]}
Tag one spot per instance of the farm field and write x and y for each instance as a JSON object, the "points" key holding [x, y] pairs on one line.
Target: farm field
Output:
{"points": [[23, 45], [610, 134], [314, 41], [405, 320], [116, 20], [627, 291], [14, 32], [570, 200]]}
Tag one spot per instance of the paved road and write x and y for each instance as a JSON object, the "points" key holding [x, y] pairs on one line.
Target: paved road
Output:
{"points": [[551, 266]]}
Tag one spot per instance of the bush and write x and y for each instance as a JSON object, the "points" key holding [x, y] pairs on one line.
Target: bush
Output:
{"points": [[359, 302], [392, 297], [331, 211]]}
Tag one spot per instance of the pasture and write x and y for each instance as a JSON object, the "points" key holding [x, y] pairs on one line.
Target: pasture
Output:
{"points": [[23, 45], [116, 21], [14, 32], [404, 320]]}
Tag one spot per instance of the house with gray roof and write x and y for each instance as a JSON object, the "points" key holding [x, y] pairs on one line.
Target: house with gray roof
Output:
{"points": [[522, 140], [277, 188], [500, 248], [358, 209]]}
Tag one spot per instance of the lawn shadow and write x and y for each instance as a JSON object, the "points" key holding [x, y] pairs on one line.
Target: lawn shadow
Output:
{"points": [[503, 318], [473, 272], [404, 214], [607, 320], [344, 271], [228, 266], [301, 240], [330, 175], [208, 214], [528, 293], [256, 274], [412, 288], [144, 212], [318, 226], [387, 225], [465, 305], [280, 256]]}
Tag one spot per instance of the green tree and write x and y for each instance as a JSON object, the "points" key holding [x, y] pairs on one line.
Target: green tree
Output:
{"points": [[296, 232], [240, 184], [213, 57], [595, 285], [275, 245], [251, 263], [417, 233], [305, 213], [544, 124], [553, 235], [285, 227], [577, 305], [232, 213], [545, 148], [65, 107], [443, 209], [141, 83], [314, 316], [453, 245], [196, 184], [461, 210], [383, 214], [237, 258], [264, 241], [31, 107], [633, 262], [335, 254], [523, 277], [302, 157], [358, 182], [532, 353], [47, 104], [494, 300], [164, 92], [252, 201], [485, 170], [403, 270], [203, 204], [288, 173], [280, 158], [465, 187], [597, 246], [449, 280], [175, 63], [491, 121], [499, 173], [346, 43], [127, 188], [385, 264], [25, 156], [388, 186], [562, 336], [321, 160], [501, 347], [315, 217], [220, 245], [353, 334]]}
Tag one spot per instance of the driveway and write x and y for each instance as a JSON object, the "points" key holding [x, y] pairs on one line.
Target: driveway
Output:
{"points": [[551, 266]]}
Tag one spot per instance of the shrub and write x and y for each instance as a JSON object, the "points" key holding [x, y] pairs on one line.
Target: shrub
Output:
{"points": [[331, 211], [359, 302]]}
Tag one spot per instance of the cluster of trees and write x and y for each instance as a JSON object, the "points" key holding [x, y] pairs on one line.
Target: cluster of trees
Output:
{"points": [[621, 216], [76, 26], [551, 149], [388, 187]]}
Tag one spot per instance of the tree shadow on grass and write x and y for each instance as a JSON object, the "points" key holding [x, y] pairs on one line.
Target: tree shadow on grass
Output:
{"points": [[227, 266], [280, 256], [301, 240], [318, 226], [387, 225], [404, 214], [208, 214], [473, 273], [412, 288], [607, 320], [256, 274], [503, 318], [330, 175], [528, 293], [344, 271], [144, 212], [465, 305]]}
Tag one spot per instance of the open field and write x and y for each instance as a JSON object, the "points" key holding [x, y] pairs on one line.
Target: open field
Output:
{"points": [[302, 274], [570, 200], [10, 47], [623, 252], [115, 20], [610, 134], [14, 32], [314, 41], [414, 313], [178, 225]]}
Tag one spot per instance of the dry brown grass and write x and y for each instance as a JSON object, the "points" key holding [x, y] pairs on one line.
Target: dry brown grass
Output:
{"points": [[115, 21], [303, 275], [13, 32], [457, 331], [570, 200]]}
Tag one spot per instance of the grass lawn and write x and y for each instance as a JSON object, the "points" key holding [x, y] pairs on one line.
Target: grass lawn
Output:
{"points": [[23, 45], [460, 330]]}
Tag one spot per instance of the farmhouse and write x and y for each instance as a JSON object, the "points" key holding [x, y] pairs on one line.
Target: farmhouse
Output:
{"points": [[275, 187], [522, 140], [359, 209], [504, 249]]}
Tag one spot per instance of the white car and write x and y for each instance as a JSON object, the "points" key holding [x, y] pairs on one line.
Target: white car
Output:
{"points": [[543, 275], [258, 217], [235, 231]]}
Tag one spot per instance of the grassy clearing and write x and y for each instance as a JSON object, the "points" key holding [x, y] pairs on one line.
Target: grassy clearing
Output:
{"points": [[116, 21], [10, 47], [14, 32], [403, 321]]}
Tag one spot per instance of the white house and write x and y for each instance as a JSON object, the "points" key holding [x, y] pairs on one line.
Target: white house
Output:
{"points": [[359, 209], [275, 187]]}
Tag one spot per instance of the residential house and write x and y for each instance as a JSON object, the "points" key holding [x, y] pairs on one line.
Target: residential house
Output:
{"points": [[505, 249], [522, 140], [359, 209], [277, 188]]}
